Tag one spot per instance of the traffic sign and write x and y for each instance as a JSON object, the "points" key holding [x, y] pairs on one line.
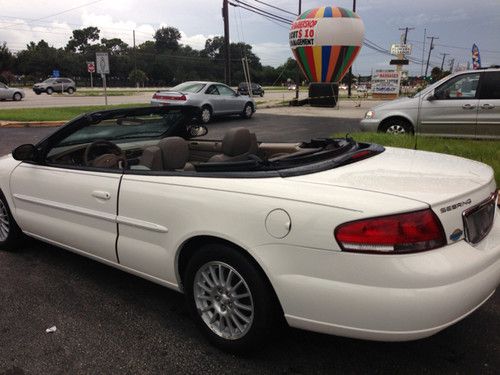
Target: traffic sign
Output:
{"points": [[90, 67], [102, 60]]}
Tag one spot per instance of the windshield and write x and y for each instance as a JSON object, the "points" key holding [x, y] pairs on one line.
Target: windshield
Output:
{"points": [[50, 80], [189, 87], [125, 129]]}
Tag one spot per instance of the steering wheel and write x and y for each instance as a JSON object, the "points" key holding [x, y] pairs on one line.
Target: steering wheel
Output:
{"points": [[114, 157]]}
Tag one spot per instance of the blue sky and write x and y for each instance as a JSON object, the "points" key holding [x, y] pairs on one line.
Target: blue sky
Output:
{"points": [[458, 23]]}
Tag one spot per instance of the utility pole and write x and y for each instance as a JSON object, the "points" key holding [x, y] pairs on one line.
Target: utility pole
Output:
{"points": [[227, 59], [298, 69], [452, 64], [430, 50], [349, 84], [406, 29], [442, 62], [423, 53], [135, 60]]}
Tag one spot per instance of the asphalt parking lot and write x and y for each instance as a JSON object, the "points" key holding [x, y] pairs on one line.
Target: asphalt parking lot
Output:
{"points": [[110, 322]]}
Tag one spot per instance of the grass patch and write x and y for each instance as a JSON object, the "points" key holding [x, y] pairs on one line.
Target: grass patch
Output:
{"points": [[486, 151], [55, 113]]}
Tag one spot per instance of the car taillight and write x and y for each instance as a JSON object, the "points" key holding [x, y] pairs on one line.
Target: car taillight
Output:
{"points": [[169, 97], [402, 233]]}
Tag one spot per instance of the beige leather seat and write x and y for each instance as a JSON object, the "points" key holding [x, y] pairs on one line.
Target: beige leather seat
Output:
{"points": [[237, 144], [171, 154]]}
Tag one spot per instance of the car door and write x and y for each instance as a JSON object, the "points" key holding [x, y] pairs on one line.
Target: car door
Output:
{"points": [[3, 91], [66, 203], [232, 102], [488, 117], [453, 107], [215, 100]]}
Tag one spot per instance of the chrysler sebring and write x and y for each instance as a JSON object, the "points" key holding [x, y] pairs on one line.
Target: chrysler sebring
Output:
{"points": [[332, 235]]}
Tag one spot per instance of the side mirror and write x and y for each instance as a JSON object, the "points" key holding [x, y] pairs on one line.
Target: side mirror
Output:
{"points": [[198, 131], [24, 153], [237, 93], [431, 97]]}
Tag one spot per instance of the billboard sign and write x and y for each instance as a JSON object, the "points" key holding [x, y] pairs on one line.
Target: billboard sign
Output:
{"points": [[386, 82], [401, 49]]}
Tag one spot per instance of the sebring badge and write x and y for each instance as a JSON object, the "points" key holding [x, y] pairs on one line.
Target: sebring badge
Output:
{"points": [[455, 206]]}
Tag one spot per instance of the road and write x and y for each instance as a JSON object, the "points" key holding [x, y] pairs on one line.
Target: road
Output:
{"points": [[37, 101], [110, 322]]}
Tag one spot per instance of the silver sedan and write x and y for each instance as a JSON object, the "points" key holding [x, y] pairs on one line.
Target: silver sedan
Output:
{"points": [[8, 93], [213, 99]]}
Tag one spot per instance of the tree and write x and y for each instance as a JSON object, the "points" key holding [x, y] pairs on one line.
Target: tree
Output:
{"points": [[82, 38], [115, 45], [167, 38], [137, 77], [6, 57]]}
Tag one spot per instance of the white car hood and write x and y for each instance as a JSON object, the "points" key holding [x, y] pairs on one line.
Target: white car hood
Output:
{"points": [[424, 176]]}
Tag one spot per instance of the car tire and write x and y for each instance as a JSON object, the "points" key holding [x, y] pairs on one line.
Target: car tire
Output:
{"points": [[261, 94], [205, 114], [247, 111], [235, 320], [49, 91], [10, 234], [38, 92], [396, 126], [70, 90], [17, 97]]}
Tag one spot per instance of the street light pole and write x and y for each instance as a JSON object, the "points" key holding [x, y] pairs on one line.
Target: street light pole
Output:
{"points": [[350, 68]]}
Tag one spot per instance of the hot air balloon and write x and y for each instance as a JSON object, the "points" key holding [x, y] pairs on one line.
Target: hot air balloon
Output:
{"points": [[325, 41]]}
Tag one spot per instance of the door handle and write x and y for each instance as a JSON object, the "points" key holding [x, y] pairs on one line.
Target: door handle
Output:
{"points": [[468, 106], [104, 195], [487, 106]]}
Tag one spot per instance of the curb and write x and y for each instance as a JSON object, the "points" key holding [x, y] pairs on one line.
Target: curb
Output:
{"points": [[32, 124]]}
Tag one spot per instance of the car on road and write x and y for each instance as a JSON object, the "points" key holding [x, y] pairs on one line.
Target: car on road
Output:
{"points": [[52, 85], [464, 104], [257, 90], [213, 99], [332, 235], [10, 93]]}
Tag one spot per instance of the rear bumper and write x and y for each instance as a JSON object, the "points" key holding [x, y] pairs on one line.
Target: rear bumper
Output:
{"points": [[383, 297]]}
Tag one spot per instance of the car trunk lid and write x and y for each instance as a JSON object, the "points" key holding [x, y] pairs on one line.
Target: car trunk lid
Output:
{"points": [[450, 185]]}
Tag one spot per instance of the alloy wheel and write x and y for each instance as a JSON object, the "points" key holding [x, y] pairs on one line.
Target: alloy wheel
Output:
{"points": [[223, 300], [205, 115], [396, 129], [248, 110], [4, 222]]}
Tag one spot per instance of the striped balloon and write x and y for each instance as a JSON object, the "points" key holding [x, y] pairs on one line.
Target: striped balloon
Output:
{"points": [[325, 41]]}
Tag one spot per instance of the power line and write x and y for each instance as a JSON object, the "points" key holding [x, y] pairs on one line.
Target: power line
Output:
{"points": [[261, 12], [57, 14], [275, 7]]}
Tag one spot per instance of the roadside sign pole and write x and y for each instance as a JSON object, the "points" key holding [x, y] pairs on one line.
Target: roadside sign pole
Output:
{"points": [[91, 81], [104, 85], [102, 65]]}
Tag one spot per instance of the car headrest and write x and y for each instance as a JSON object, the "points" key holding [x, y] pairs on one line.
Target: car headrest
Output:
{"points": [[151, 158], [236, 141], [175, 152]]}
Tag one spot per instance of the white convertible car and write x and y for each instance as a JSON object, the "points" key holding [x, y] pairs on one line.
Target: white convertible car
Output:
{"points": [[335, 236]]}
